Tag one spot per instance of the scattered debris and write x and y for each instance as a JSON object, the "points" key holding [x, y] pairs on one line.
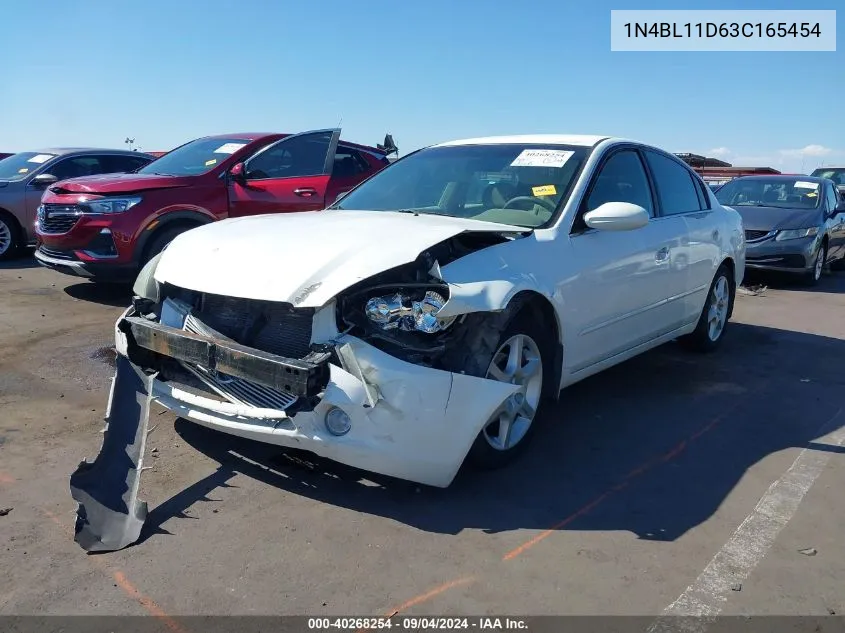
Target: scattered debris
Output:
{"points": [[5, 511], [751, 291], [737, 586], [831, 611], [809, 551], [155, 450]]}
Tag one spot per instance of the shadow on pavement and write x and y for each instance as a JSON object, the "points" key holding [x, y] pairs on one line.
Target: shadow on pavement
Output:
{"points": [[21, 262], [697, 423], [116, 295]]}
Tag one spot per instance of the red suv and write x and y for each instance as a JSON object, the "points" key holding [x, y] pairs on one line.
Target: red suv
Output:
{"points": [[106, 227]]}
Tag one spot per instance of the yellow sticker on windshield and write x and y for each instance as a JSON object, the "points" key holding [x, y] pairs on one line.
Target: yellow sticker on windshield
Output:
{"points": [[545, 190], [209, 163], [812, 195], [23, 170]]}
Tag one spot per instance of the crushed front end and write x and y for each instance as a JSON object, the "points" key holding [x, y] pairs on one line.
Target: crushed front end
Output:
{"points": [[375, 395]]}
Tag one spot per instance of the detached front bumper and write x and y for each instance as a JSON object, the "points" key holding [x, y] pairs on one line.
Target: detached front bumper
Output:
{"points": [[407, 421]]}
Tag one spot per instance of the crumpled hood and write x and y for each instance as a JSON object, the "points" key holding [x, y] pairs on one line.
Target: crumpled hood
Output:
{"points": [[775, 218], [303, 258], [120, 183]]}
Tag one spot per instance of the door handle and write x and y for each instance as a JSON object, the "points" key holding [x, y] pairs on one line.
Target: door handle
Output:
{"points": [[305, 192], [662, 255]]}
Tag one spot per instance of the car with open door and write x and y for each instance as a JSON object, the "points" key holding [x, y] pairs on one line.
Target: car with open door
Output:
{"points": [[25, 176], [107, 228], [793, 224]]}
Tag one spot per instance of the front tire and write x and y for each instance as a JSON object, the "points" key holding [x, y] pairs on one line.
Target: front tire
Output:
{"points": [[710, 330], [513, 349], [10, 239], [813, 277]]}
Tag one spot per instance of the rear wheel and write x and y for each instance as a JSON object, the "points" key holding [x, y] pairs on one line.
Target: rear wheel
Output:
{"points": [[9, 237], [713, 321]]}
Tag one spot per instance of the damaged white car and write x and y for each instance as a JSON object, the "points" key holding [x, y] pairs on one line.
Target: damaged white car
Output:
{"points": [[426, 316]]}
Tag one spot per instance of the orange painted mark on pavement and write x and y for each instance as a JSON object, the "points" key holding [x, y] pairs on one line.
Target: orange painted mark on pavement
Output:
{"points": [[637, 472], [6, 478], [146, 602], [425, 597], [123, 583], [433, 593]]}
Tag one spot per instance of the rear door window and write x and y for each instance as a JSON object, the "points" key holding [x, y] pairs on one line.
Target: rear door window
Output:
{"points": [[676, 190]]}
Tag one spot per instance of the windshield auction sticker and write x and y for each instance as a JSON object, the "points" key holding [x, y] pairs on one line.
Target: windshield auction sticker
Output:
{"points": [[542, 158], [40, 158], [723, 30], [803, 184], [229, 148]]}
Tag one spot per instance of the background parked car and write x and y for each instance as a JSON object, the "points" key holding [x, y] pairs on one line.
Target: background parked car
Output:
{"points": [[793, 224], [836, 174], [106, 228], [25, 176]]}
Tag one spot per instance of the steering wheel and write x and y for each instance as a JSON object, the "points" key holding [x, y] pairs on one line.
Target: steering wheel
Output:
{"points": [[543, 202]]}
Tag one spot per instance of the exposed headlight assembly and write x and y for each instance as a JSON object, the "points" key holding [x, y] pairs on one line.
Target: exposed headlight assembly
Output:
{"points": [[796, 234], [399, 311], [109, 205]]}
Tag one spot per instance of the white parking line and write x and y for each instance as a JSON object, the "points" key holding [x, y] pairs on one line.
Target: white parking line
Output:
{"points": [[704, 599]]}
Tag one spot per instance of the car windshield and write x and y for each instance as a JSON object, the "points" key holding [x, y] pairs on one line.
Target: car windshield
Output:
{"points": [[836, 175], [780, 193], [196, 157], [19, 166], [520, 185]]}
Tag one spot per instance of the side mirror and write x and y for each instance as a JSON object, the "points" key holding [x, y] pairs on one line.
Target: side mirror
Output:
{"points": [[617, 216], [43, 181], [238, 173]]}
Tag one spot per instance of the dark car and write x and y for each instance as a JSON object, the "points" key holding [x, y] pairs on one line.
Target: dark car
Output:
{"points": [[836, 174], [25, 176], [793, 224], [106, 228]]}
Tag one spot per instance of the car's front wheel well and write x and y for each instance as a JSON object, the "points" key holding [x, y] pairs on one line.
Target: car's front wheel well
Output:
{"points": [[544, 313], [167, 227], [475, 337]]}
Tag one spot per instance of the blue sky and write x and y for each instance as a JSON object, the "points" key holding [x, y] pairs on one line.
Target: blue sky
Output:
{"points": [[94, 72]]}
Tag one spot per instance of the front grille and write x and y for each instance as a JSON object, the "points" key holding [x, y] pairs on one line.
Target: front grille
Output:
{"points": [[272, 327], [235, 389], [755, 235], [241, 391], [57, 218], [50, 252]]}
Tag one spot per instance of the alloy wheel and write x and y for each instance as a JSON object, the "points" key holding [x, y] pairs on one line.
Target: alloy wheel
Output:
{"points": [[517, 361], [817, 269], [717, 313], [5, 237]]}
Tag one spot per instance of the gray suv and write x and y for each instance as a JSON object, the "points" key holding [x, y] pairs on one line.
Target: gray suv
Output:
{"points": [[25, 176]]}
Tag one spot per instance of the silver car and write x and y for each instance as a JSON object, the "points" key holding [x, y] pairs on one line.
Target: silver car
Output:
{"points": [[793, 224], [25, 176]]}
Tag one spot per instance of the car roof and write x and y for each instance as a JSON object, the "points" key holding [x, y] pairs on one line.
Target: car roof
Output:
{"points": [[783, 177], [61, 151], [583, 140], [248, 136], [257, 136]]}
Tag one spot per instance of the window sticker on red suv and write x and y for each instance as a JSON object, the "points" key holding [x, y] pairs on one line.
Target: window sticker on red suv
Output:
{"points": [[229, 148]]}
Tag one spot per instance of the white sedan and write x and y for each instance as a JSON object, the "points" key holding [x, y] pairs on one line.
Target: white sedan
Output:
{"points": [[426, 317]]}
